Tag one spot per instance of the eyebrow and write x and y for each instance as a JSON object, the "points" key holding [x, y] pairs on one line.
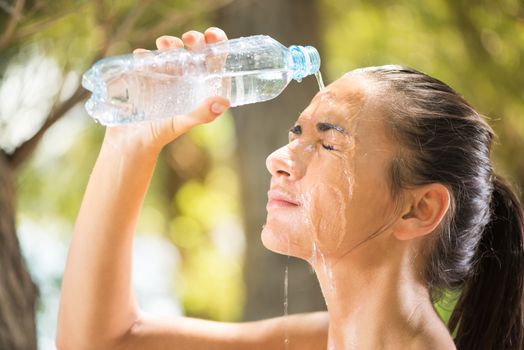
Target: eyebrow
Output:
{"points": [[323, 127]]}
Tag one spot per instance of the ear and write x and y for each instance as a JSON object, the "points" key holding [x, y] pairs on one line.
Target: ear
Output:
{"points": [[427, 206]]}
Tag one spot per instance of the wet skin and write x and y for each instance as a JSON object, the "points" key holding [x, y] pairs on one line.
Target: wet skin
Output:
{"points": [[329, 192], [330, 204]]}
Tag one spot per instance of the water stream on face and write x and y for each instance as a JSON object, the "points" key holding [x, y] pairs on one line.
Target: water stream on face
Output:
{"points": [[286, 279], [318, 75], [321, 86], [286, 284], [328, 272]]}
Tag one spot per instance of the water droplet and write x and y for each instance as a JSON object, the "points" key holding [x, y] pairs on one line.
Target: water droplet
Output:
{"points": [[286, 279]]}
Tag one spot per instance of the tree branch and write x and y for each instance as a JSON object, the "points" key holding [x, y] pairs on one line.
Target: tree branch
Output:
{"points": [[144, 37], [26, 149], [129, 21], [9, 30], [101, 18], [471, 36], [468, 30], [36, 27]]}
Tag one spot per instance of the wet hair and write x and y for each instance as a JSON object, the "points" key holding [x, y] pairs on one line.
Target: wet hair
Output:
{"points": [[477, 251]]}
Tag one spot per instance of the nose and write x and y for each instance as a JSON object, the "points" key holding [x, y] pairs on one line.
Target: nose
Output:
{"points": [[284, 164]]}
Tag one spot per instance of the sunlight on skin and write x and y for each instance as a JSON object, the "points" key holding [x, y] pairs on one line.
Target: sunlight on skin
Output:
{"points": [[322, 181], [330, 204]]}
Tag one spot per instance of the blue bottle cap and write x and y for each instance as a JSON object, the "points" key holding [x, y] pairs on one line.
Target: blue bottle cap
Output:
{"points": [[306, 61]]}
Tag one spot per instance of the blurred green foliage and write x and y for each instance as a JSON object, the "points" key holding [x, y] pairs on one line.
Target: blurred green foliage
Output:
{"points": [[206, 228], [477, 47]]}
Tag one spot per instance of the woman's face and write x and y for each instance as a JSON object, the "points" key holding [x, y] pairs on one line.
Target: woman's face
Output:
{"points": [[329, 187]]}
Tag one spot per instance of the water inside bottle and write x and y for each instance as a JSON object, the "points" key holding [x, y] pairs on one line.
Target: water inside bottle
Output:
{"points": [[133, 97], [255, 86]]}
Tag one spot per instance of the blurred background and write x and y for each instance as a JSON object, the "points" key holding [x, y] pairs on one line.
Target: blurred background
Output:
{"points": [[198, 249]]}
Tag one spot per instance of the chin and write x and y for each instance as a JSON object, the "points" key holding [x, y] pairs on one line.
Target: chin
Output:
{"points": [[281, 243], [270, 241]]}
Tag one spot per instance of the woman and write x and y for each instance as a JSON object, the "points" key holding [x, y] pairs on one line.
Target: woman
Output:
{"points": [[385, 187]]}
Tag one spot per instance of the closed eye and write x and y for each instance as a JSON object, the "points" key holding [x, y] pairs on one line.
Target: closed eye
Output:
{"points": [[328, 147], [297, 130]]}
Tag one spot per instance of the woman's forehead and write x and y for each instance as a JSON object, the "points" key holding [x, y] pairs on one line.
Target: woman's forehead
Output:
{"points": [[339, 102]]}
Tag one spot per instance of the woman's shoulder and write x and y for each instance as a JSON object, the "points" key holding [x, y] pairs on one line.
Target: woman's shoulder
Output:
{"points": [[433, 338]]}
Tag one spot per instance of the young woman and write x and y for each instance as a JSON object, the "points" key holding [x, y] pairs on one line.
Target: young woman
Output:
{"points": [[385, 187]]}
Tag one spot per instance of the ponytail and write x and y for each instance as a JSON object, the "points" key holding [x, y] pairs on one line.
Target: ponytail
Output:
{"points": [[489, 311], [479, 246]]}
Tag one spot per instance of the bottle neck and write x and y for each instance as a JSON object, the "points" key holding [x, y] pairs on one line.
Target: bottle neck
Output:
{"points": [[306, 61]]}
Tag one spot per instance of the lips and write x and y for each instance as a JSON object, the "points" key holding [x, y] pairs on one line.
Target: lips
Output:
{"points": [[280, 199]]}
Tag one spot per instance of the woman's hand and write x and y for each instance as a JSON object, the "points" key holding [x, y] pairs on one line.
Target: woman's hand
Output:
{"points": [[98, 269], [153, 135]]}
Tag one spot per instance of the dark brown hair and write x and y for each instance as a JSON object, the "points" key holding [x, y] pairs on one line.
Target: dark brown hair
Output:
{"points": [[478, 249]]}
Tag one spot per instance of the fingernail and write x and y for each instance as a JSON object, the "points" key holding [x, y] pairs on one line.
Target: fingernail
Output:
{"points": [[188, 38], [173, 41], [217, 108]]}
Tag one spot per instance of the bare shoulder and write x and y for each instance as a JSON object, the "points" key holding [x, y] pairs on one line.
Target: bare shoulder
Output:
{"points": [[434, 339]]}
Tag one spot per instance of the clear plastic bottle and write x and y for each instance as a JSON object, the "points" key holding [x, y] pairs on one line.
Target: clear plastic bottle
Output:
{"points": [[159, 84]]}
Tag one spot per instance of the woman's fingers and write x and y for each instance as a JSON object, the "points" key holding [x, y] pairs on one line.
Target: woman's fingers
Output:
{"points": [[194, 40], [215, 63], [163, 43], [166, 130], [214, 34], [206, 112], [168, 42]]}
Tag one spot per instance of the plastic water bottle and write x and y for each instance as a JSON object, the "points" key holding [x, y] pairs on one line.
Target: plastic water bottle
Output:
{"points": [[160, 84]]}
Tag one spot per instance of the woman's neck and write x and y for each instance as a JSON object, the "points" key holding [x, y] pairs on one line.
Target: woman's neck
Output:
{"points": [[374, 300]]}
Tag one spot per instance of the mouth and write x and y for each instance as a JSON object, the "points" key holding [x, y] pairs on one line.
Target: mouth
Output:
{"points": [[280, 199]]}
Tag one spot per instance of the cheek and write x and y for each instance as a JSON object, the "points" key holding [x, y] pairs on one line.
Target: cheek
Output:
{"points": [[322, 220], [328, 214]]}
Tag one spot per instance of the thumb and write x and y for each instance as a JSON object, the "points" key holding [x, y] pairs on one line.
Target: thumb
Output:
{"points": [[206, 112]]}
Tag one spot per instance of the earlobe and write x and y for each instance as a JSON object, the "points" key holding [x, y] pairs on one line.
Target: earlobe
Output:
{"points": [[428, 207]]}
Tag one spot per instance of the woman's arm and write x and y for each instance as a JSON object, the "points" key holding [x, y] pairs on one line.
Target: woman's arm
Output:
{"points": [[303, 331], [97, 302], [98, 309]]}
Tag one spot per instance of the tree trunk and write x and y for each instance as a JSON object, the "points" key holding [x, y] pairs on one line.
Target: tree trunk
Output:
{"points": [[261, 128], [18, 293]]}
